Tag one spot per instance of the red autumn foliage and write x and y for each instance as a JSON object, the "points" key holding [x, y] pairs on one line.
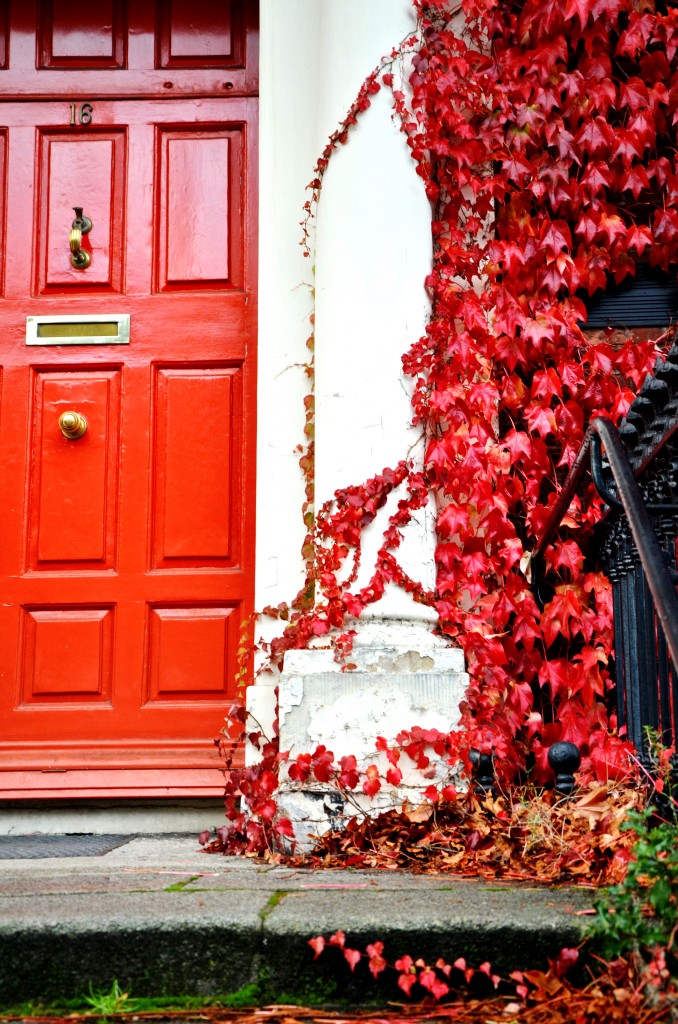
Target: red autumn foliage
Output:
{"points": [[545, 136], [527, 836], [551, 127], [622, 992]]}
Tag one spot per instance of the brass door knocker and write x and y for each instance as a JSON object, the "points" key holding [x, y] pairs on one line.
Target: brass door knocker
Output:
{"points": [[80, 258]]}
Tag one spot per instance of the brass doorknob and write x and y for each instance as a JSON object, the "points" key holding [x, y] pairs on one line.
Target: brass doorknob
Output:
{"points": [[72, 425]]}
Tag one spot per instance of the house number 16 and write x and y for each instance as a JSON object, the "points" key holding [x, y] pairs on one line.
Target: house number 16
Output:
{"points": [[83, 113]]}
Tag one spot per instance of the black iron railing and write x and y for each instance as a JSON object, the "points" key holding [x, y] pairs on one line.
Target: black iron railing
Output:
{"points": [[635, 470]]}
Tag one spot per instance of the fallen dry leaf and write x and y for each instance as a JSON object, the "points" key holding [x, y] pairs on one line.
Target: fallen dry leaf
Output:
{"points": [[533, 835]]}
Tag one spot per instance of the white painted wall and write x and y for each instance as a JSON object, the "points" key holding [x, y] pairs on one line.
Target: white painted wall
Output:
{"points": [[373, 253], [288, 148]]}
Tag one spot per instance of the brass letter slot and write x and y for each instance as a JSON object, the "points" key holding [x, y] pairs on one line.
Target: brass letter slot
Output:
{"points": [[80, 329], [83, 330]]}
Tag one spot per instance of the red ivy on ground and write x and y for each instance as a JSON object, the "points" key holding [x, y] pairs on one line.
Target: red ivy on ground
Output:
{"points": [[622, 992], [522, 835], [545, 135]]}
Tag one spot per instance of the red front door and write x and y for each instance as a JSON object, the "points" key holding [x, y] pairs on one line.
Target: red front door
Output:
{"points": [[127, 392]]}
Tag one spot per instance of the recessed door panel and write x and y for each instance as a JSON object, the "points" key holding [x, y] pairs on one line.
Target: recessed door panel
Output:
{"points": [[82, 35], [200, 209], [197, 466], [85, 170], [74, 497], [191, 653], [67, 656], [208, 34]]}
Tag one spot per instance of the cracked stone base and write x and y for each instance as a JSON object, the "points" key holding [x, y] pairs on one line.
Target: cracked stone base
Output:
{"points": [[405, 677]]}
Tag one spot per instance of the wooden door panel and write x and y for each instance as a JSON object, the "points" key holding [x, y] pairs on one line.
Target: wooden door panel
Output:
{"points": [[209, 34], [72, 517], [196, 250], [196, 488], [82, 35], [200, 208], [67, 657], [191, 654], [84, 169]]}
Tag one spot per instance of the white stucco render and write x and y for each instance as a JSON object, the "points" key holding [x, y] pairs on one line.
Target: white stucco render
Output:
{"points": [[373, 251]]}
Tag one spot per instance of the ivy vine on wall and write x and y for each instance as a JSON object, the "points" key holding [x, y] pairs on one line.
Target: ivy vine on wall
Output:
{"points": [[545, 134]]}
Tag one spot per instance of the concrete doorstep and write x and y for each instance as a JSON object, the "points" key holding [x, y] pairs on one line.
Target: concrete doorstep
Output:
{"points": [[164, 919]]}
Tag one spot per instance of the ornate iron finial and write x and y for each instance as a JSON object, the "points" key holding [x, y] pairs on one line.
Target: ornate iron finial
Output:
{"points": [[565, 759]]}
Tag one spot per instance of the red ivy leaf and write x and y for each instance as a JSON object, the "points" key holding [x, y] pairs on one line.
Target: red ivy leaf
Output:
{"points": [[352, 957], [349, 777], [371, 785], [406, 981], [376, 962]]}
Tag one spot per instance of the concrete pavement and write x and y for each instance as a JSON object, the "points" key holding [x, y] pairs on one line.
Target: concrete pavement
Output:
{"points": [[162, 918]]}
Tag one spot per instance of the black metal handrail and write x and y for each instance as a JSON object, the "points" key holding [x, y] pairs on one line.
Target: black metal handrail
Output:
{"points": [[628, 495], [639, 531]]}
